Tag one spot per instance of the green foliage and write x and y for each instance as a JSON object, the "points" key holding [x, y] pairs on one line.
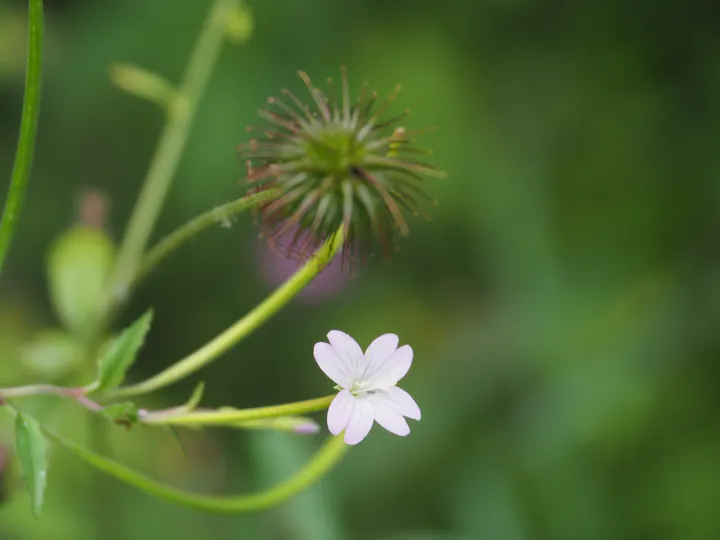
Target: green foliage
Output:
{"points": [[124, 414], [120, 354], [563, 303], [32, 454]]}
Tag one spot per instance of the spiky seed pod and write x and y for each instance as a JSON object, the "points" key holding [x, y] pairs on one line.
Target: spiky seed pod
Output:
{"points": [[336, 163]]}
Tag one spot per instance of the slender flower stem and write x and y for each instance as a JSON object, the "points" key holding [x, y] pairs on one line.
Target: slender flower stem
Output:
{"points": [[173, 241], [76, 394], [242, 328], [28, 130], [33, 390], [171, 144], [326, 457], [232, 416]]}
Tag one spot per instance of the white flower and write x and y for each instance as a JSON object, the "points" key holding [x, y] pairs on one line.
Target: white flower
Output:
{"points": [[367, 385]]}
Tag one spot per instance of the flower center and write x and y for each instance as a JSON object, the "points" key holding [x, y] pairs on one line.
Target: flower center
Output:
{"points": [[359, 388], [336, 150]]}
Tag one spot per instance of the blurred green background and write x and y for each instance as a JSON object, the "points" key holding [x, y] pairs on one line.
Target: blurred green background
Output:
{"points": [[563, 302]]}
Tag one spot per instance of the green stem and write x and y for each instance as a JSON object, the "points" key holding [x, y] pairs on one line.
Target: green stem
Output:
{"points": [[231, 416], [171, 144], [76, 394], [28, 130], [218, 215], [33, 390], [242, 328], [326, 457]]}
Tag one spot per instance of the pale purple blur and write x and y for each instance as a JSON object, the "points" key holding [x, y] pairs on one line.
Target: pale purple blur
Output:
{"points": [[275, 268]]}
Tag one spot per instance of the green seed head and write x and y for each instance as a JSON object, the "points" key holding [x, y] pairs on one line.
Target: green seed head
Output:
{"points": [[337, 164]]}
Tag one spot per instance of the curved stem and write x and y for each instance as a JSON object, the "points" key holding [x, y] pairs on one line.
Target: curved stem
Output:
{"points": [[33, 390], [76, 394], [232, 416], [28, 130], [227, 339], [171, 144], [174, 240], [326, 457]]}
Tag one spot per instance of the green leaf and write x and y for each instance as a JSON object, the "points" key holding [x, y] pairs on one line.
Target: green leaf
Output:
{"points": [[79, 267], [121, 354], [123, 414], [31, 449]]}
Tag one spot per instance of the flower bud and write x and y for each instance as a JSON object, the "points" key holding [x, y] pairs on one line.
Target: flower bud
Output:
{"points": [[79, 267]]}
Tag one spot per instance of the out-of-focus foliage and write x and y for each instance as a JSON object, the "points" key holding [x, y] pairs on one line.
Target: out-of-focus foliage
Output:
{"points": [[563, 303]]}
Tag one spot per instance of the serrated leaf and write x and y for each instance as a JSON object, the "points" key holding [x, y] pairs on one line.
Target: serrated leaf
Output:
{"points": [[31, 450], [123, 414], [121, 354]]}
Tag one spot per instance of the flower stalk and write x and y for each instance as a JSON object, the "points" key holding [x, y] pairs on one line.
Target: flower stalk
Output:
{"points": [[170, 146], [220, 215], [323, 461], [76, 394], [235, 416], [242, 328]]}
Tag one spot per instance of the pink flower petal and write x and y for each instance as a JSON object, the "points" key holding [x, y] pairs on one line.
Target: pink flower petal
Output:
{"points": [[340, 412], [332, 365], [404, 403], [360, 422], [350, 352], [308, 427], [393, 369], [386, 414], [378, 352]]}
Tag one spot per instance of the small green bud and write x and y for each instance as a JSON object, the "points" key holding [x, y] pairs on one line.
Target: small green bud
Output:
{"points": [[142, 83], [337, 164], [240, 25], [79, 267]]}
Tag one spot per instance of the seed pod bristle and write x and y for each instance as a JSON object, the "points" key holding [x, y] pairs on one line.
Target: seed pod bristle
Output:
{"points": [[337, 163]]}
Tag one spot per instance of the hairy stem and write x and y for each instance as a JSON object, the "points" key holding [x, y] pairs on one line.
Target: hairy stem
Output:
{"points": [[242, 328], [171, 144], [76, 394], [326, 457], [173, 241], [33, 390], [233, 416], [28, 130]]}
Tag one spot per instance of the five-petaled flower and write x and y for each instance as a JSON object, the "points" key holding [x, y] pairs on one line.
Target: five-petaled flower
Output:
{"points": [[367, 384]]}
